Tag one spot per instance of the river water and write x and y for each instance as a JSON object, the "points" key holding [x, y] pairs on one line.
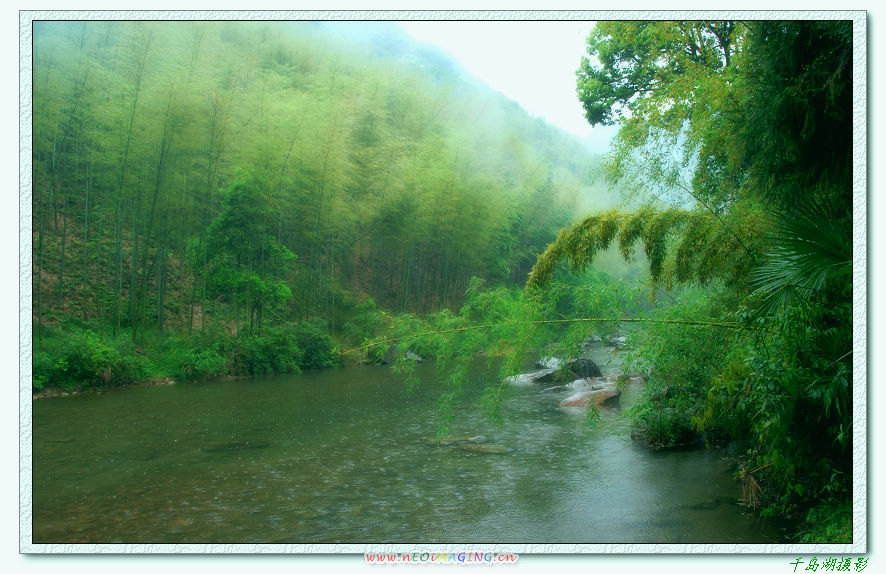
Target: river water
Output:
{"points": [[347, 456]]}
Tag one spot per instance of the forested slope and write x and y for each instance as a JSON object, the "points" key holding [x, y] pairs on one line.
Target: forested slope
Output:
{"points": [[191, 174]]}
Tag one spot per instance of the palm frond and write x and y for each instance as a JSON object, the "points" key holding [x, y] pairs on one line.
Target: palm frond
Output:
{"points": [[809, 249]]}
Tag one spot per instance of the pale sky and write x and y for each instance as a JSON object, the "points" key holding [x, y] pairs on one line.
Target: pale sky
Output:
{"points": [[533, 63]]}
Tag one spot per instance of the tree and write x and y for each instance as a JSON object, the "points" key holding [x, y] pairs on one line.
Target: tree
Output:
{"points": [[248, 265], [668, 85], [642, 69]]}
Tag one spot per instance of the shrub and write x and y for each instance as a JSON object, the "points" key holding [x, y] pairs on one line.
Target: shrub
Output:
{"points": [[320, 351], [664, 428], [41, 370], [276, 351], [83, 359], [190, 358], [80, 358], [828, 523], [191, 364], [358, 319]]}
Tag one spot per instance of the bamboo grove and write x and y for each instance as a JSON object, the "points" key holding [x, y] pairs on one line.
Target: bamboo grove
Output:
{"points": [[196, 173]]}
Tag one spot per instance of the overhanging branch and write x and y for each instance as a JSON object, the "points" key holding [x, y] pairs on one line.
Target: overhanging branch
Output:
{"points": [[719, 324]]}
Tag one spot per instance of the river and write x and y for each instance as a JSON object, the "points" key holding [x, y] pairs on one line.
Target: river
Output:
{"points": [[346, 456]]}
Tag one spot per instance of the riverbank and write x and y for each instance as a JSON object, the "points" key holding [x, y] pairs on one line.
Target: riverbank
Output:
{"points": [[55, 393], [82, 359]]}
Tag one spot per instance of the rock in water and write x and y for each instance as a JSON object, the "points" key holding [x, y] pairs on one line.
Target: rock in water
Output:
{"points": [[523, 379], [580, 385], [549, 363], [580, 367], [577, 400], [592, 384], [556, 389], [584, 368], [577, 368], [542, 376], [233, 445], [631, 378], [458, 440], [485, 448], [712, 504], [585, 398]]}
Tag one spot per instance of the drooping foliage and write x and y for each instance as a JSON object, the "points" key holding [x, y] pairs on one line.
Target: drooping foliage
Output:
{"points": [[500, 331], [680, 246]]}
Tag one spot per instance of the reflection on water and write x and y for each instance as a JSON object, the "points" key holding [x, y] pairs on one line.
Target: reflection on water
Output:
{"points": [[344, 456]]}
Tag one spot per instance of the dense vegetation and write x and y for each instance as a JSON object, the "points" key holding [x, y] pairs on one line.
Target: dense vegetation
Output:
{"points": [[251, 182], [237, 198], [761, 116]]}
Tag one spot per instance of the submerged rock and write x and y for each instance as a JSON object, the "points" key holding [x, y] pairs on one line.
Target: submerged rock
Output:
{"points": [[712, 504], [471, 443], [233, 445], [556, 389], [485, 448], [458, 440]]}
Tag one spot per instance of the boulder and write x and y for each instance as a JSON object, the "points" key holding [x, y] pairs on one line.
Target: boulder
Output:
{"points": [[580, 368], [617, 342], [391, 355], [542, 376], [597, 397], [580, 385], [584, 385], [584, 368], [593, 383]]}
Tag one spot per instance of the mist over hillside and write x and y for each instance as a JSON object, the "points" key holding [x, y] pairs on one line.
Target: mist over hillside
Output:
{"points": [[371, 165]]}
